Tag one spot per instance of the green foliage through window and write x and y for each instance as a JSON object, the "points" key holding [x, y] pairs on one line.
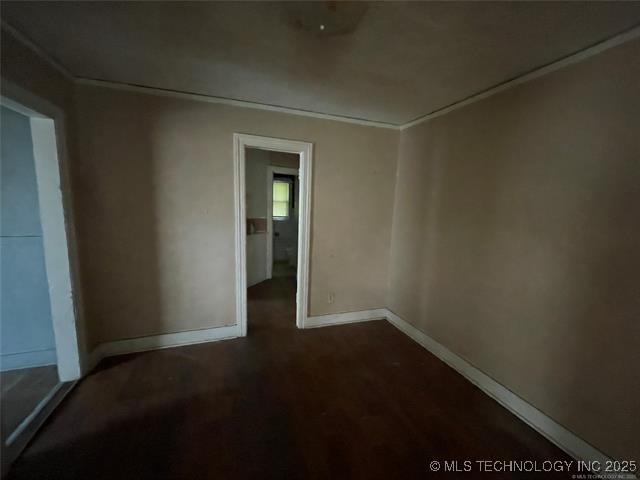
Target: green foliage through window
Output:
{"points": [[281, 199]]}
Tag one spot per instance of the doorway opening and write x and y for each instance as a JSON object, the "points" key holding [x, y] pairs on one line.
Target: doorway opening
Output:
{"points": [[273, 180], [39, 355], [283, 187]]}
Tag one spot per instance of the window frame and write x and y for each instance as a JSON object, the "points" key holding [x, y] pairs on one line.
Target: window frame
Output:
{"points": [[290, 186]]}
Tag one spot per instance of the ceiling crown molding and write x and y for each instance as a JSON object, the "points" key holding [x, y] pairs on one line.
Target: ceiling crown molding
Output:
{"points": [[26, 41], [198, 97], [570, 59]]}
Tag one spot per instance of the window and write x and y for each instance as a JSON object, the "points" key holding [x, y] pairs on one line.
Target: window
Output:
{"points": [[281, 192]]}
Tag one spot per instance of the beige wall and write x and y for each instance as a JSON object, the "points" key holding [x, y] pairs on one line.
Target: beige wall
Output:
{"points": [[157, 218], [516, 242], [153, 189], [515, 227]]}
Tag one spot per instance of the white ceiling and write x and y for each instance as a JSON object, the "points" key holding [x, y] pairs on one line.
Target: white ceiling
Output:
{"points": [[391, 62]]}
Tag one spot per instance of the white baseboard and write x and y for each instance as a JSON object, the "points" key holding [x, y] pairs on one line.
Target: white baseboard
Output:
{"points": [[34, 414], [549, 428], [38, 358], [546, 426], [348, 317], [154, 342], [20, 437]]}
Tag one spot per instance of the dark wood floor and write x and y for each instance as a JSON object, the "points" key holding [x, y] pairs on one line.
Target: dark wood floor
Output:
{"points": [[282, 268], [352, 401], [22, 391]]}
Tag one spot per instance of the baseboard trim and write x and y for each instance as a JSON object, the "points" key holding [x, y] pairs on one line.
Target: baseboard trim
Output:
{"points": [[22, 435], [543, 424], [546, 426], [20, 360], [347, 317], [34, 413], [155, 342]]}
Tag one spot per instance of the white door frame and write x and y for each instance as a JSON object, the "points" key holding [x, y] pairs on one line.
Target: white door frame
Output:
{"points": [[305, 151], [271, 169], [50, 155]]}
